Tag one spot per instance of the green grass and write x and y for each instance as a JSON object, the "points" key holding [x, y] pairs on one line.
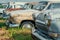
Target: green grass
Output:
{"points": [[2, 19], [22, 37], [16, 33], [2, 24]]}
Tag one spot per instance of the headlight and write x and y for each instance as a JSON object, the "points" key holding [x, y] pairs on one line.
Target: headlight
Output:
{"points": [[54, 35], [47, 20]]}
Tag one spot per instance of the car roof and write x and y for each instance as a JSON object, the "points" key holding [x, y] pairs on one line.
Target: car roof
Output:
{"points": [[33, 3], [49, 2], [54, 1]]}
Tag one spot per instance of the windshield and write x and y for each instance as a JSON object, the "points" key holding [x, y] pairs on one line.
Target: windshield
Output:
{"points": [[28, 6], [41, 5], [54, 6]]}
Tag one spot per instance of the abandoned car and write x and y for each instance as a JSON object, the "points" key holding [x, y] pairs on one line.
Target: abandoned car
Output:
{"points": [[12, 6], [23, 18], [25, 6], [47, 23]]}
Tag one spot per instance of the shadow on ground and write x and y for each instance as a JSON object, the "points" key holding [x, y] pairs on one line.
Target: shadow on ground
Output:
{"points": [[15, 33]]}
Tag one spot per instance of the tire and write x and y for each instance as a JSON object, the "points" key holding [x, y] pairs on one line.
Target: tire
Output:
{"points": [[27, 25]]}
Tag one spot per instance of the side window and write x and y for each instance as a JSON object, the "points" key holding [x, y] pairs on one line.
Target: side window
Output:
{"points": [[54, 6], [40, 17]]}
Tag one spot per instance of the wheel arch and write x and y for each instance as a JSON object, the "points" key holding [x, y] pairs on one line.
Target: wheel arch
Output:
{"points": [[27, 21]]}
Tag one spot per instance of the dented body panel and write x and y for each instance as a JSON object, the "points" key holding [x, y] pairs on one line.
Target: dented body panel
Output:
{"points": [[20, 15]]}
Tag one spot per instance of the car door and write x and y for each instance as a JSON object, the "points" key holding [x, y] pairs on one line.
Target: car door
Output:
{"points": [[40, 22]]}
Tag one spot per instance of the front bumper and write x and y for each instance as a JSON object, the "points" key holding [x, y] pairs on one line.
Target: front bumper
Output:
{"points": [[40, 36], [11, 24], [5, 16]]}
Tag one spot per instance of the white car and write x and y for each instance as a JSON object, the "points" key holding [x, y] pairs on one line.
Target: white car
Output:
{"points": [[47, 23]]}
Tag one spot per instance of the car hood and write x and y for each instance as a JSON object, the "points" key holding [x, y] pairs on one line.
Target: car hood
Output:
{"points": [[54, 13], [7, 11], [14, 9], [55, 26], [53, 10], [55, 20], [18, 12]]}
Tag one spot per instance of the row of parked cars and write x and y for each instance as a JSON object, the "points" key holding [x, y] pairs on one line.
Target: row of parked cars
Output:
{"points": [[42, 17]]}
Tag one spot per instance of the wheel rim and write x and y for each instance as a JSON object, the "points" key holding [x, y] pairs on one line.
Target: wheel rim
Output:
{"points": [[29, 26]]}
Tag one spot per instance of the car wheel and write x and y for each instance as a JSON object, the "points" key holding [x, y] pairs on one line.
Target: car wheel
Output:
{"points": [[27, 25]]}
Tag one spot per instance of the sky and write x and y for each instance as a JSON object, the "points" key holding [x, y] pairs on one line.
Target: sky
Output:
{"points": [[4, 1], [19, 0]]}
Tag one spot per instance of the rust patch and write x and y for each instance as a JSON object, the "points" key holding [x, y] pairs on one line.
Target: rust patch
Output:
{"points": [[14, 9]]}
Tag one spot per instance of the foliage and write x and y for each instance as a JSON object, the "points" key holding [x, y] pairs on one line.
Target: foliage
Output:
{"points": [[15, 33]]}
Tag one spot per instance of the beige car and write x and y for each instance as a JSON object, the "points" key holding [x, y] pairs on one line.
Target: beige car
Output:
{"points": [[13, 6], [23, 18]]}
